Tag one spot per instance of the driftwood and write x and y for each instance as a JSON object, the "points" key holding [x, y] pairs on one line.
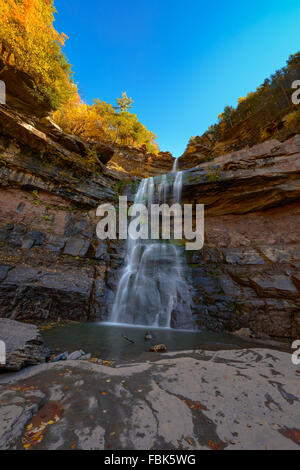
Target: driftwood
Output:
{"points": [[128, 339]]}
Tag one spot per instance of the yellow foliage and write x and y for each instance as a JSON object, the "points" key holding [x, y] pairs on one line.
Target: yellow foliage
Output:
{"points": [[100, 122], [220, 148], [191, 149], [264, 135], [31, 44], [292, 120]]}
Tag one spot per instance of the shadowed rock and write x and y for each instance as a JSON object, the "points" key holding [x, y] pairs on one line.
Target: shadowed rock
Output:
{"points": [[24, 345]]}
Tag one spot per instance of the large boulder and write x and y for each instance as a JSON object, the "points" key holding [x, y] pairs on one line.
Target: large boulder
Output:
{"points": [[24, 345]]}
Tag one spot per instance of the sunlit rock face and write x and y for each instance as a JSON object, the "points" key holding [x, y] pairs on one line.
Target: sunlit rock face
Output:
{"points": [[139, 162]]}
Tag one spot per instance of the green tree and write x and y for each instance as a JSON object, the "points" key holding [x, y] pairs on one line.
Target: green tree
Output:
{"points": [[122, 115], [124, 103]]}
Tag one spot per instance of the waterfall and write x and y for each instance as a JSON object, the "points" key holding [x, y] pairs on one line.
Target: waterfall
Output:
{"points": [[175, 164], [152, 289]]}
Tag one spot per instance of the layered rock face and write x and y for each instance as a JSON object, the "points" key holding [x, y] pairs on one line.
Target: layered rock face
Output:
{"points": [[52, 264], [138, 162], [248, 273], [21, 92]]}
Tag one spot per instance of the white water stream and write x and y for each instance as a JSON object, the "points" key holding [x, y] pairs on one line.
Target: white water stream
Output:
{"points": [[152, 289]]}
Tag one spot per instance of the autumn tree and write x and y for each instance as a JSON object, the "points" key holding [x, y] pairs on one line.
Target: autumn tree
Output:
{"points": [[29, 42], [124, 103], [122, 113], [101, 122]]}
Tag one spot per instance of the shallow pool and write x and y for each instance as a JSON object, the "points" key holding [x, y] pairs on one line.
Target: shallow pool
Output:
{"points": [[106, 341]]}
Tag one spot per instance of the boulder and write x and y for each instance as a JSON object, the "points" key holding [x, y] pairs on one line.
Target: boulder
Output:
{"points": [[85, 357], [246, 332], [24, 345], [60, 357], [77, 247], [75, 355]]}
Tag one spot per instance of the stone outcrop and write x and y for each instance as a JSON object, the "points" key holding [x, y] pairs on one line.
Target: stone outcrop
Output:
{"points": [[24, 345], [138, 162], [21, 92]]}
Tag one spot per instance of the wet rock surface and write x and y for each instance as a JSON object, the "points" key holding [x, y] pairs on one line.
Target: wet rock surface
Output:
{"points": [[24, 345], [246, 399]]}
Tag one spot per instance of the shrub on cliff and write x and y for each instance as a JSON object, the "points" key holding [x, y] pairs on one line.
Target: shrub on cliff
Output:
{"points": [[292, 120]]}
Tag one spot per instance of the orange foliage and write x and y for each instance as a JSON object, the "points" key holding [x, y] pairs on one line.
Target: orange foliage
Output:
{"points": [[100, 122], [30, 42]]}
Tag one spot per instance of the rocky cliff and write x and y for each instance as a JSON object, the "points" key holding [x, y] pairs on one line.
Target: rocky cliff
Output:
{"points": [[248, 272], [50, 258], [52, 265], [138, 162]]}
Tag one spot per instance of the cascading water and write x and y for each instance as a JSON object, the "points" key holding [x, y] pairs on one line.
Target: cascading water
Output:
{"points": [[174, 169], [152, 289]]}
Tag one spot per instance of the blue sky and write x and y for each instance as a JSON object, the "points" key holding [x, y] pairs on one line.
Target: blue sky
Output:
{"points": [[181, 61]]}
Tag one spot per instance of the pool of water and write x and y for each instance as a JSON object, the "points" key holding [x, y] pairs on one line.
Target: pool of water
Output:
{"points": [[106, 341]]}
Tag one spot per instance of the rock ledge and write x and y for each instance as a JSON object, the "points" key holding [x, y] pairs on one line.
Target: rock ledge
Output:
{"points": [[24, 345]]}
